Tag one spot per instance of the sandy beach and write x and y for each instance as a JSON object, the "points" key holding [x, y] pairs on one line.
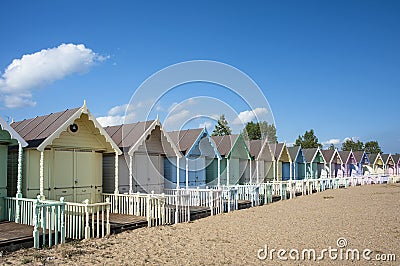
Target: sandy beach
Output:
{"points": [[367, 217]]}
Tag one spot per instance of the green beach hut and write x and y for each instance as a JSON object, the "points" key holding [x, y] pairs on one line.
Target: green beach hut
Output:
{"points": [[9, 139]]}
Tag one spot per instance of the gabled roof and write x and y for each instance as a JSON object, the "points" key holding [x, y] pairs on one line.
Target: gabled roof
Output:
{"points": [[12, 132], [225, 144], [373, 157], [40, 131], [346, 155], [358, 155], [130, 136], [386, 158], [309, 154], [294, 152], [258, 148], [126, 135], [328, 154], [186, 140], [277, 149], [396, 158]]}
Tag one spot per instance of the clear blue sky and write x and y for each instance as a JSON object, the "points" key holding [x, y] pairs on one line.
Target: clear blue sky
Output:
{"points": [[333, 66]]}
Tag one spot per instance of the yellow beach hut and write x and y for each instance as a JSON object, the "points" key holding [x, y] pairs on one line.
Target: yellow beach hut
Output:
{"points": [[64, 155]]}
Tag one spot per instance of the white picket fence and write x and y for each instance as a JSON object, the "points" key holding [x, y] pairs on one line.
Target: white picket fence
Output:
{"points": [[158, 209], [84, 220], [200, 197]]}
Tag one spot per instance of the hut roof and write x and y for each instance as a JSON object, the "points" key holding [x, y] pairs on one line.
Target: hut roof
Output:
{"points": [[309, 154], [260, 149], [277, 149], [293, 152], [42, 130], [345, 155], [358, 155], [396, 158], [328, 154], [225, 143], [184, 139], [36, 130]]}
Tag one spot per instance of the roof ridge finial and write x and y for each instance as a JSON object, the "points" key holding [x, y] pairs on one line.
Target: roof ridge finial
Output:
{"points": [[84, 103], [157, 118]]}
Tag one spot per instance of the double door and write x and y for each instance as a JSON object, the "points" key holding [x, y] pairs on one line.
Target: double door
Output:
{"points": [[77, 175]]}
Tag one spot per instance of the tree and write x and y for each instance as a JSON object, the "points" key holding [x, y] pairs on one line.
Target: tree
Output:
{"points": [[372, 147], [308, 140], [261, 130], [222, 128], [332, 147], [351, 145]]}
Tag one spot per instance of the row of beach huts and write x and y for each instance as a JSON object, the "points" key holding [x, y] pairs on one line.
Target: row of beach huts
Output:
{"points": [[64, 176]]}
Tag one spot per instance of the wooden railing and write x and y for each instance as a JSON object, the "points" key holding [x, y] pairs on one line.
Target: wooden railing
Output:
{"points": [[46, 217]]}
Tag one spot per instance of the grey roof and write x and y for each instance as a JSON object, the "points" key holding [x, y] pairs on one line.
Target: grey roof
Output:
{"points": [[225, 143], [36, 130], [309, 154], [125, 136], [396, 158], [184, 139], [293, 151], [372, 157], [345, 155], [276, 149], [255, 147], [386, 157], [328, 154], [358, 155]]}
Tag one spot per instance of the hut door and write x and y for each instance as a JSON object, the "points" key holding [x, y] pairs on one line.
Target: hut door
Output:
{"points": [[84, 180], [73, 175], [63, 176], [149, 169]]}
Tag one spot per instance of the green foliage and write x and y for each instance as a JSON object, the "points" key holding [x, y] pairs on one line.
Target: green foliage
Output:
{"points": [[222, 128], [332, 147], [308, 140], [351, 145], [260, 130], [372, 147]]}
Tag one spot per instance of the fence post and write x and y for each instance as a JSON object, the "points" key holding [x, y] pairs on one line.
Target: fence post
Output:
{"points": [[18, 208], [148, 210], [236, 198], [211, 202], [87, 228], [108, 229], [62, 222], [36, 221], [176, 206]]}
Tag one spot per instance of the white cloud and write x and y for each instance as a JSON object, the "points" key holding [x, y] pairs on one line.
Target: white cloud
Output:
{"points": [[208, 125], [331, 141], [110, 120], [35, 70], [117, 116], [177, 120], [247, 116]]}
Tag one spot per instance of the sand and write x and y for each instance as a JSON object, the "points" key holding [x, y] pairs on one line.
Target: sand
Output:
{"points": [[368, 217]]}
